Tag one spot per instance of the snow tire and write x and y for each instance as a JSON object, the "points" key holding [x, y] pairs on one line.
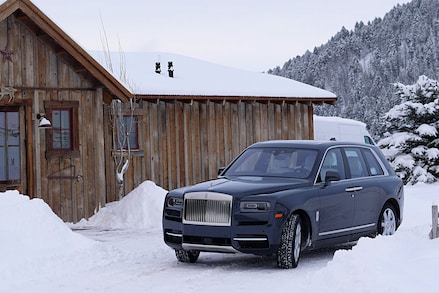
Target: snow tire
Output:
{"points": [[290, 246]]}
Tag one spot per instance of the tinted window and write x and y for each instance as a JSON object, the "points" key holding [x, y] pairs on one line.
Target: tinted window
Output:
{"points": [[373, 165], [274, 162], [357, 166], [333, 161]]}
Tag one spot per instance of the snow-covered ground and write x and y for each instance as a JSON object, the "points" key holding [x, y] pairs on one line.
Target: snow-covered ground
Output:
{"points": [[120, 249]]}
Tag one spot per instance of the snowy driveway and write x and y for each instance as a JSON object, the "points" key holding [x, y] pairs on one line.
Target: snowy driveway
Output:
{"points": [[40, 254], [145, 264]]}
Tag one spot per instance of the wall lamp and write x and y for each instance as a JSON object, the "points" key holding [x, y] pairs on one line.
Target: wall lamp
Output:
{"points": [[43, 121]]}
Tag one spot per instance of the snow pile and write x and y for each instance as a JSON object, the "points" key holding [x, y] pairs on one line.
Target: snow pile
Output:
{"points": [[30, 232], [39, 253], [404, 262], [22, 219], [140, 209]]}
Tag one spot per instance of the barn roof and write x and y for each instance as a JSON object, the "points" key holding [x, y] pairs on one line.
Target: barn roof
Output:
{"points": [[198, 79], [193, 79], [64, 46]]}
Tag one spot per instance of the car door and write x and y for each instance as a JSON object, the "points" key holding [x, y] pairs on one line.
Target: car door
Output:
{"points": [[335, 216], [365, 173]]}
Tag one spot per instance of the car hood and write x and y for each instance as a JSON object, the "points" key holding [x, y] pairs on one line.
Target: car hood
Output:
{"points": [[244, 186]]}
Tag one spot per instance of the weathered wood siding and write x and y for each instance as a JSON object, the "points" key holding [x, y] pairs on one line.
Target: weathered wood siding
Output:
{"points": [[73, 186], [184, 143], [180, 143]]}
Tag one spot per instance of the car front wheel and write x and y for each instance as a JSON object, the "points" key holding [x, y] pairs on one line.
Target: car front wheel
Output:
{"points": [[387, 221], [187, 255], [290, 246]]}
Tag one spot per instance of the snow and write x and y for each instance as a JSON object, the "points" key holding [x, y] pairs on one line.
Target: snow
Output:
{"points": [[426, 130], [136, 70], [120, 215], [120, 249], [414, 125]]}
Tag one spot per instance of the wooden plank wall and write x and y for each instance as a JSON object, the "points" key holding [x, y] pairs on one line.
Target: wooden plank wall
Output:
{"points": [[180, 143], [184, 143], [41, 75]]}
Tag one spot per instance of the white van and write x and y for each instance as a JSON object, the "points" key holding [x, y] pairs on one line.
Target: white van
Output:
{"points": [[341, 129]]}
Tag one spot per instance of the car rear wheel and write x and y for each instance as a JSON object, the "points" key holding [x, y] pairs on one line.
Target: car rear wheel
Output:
{"points": [[387, 220], [288, 254], [187, 255]]}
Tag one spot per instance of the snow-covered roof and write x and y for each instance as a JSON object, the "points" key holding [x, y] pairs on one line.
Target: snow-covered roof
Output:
{"points": [[194, 77]]}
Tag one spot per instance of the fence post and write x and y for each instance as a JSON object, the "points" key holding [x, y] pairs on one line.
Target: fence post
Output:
{"points": [[434, 233]]}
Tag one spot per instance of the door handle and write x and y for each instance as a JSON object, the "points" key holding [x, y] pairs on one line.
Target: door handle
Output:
{"points": [[353, 189]]}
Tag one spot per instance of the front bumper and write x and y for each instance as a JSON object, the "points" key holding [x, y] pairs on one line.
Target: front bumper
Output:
{"points": [[255, 233]]}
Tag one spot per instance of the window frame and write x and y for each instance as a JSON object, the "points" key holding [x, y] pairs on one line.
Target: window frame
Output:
{"points": [[135, 132], [8, 181], [72, 107]]}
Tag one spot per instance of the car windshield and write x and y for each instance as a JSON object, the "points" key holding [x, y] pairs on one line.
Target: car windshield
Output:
{"points": [[274, 162]]}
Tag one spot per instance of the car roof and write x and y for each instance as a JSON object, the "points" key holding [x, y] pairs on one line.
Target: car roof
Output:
{"points": [[316, 144]]}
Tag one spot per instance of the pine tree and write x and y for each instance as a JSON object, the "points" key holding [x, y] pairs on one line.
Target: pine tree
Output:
{"points": [[412, 140], [360, 66]]}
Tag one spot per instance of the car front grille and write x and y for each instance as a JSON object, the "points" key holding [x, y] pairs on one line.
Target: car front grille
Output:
{"points": [[207, 208]]}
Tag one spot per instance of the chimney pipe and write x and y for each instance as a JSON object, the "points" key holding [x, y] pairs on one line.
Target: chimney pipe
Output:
{"points": [[157, 68], [170, 69]]}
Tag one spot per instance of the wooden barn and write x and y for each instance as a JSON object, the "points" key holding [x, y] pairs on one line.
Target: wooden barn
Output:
{"points": [[43, 72], [191, 117], [108, 134]]}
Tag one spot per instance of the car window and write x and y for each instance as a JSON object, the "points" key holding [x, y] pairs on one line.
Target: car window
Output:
{"points": [[274, 162], [333, 161], [368, 140], [373, 165], [248, 160], [357, 166]]}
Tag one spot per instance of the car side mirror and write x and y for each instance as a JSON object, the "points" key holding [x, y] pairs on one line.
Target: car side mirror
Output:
{"points": [[220, 170], [331, 176]]}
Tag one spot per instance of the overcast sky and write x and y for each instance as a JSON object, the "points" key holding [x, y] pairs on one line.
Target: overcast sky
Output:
{"points": [[249, 34]]}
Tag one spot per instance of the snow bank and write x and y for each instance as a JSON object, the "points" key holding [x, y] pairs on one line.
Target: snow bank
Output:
{"points": [[140, 209], [29, 232], [39, 253], [35, 243], [404, 262], [31, 225]]}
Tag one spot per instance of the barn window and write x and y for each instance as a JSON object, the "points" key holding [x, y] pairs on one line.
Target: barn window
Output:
{"points": [[9, 146], [62, 129], [62, 138], [127, 137]]}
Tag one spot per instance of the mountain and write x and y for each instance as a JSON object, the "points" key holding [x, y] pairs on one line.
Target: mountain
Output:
{"points": [[360, 66]]}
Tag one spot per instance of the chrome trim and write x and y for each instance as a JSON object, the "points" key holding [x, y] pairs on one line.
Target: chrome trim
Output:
{"points": [[207, 208], [250, 239], [210, 248], [352, 189], [346, 229], [174, 234], [383, 167]]}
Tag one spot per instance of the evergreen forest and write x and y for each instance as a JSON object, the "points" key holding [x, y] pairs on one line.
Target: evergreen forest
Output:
{"points": [[362, 66]]}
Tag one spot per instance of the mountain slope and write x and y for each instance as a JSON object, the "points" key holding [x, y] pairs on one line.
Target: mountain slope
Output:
{"points": [[361, 65]]}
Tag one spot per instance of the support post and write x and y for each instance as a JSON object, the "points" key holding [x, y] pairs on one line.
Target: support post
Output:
{"points": [[434, 233]]}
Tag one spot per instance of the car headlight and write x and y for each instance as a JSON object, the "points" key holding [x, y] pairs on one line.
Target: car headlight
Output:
{"points": [[174, 201], [255, 206]]}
